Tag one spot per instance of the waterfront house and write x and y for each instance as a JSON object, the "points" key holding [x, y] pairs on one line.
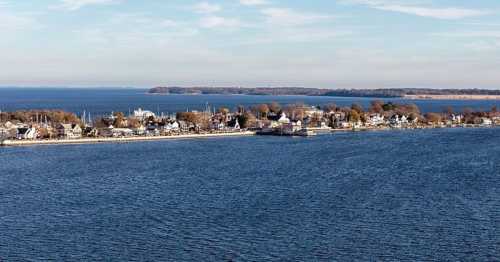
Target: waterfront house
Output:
{"points": [[375, 120], [106, 132], [26, 133], [457, 119], [341, 124], [152, 130], [111, 131], [397, 121], [139, 131], [486, 121], [357, 124], [69, 131], [122, 132], [183, 126], [217, 125], [173, 126]]}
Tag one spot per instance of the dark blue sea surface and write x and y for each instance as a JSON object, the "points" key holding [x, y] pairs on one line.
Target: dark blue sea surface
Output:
{"points": [[100, 101], [431, 195]]}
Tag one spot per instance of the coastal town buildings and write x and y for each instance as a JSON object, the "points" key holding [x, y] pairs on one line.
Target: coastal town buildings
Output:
{"points": [[289, 120], [69, 131], [375, 119]]}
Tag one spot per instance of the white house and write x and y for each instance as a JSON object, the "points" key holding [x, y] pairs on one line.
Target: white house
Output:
{"points": [[141, 130], [70, 131], [375, 120], [397, 121], [342, 124], [486, 121], [26, 133], [122, 132], [116, 132], [457, 119], [174, 126], [218, 125]]}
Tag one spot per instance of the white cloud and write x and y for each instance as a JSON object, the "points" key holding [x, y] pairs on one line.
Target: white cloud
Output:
{"points": [[471, 34], [288, 17], [254, 2], [13, 22], [219, 22], [73, 5], [412, 9], [168, 23], [206, 8]]}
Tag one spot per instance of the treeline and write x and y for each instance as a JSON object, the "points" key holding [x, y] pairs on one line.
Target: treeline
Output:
{"points": [[55, 116], [382, 93], [239, 91]]}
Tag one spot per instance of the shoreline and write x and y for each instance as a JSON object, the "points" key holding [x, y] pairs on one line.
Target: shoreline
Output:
{"points": [[105, 140]]}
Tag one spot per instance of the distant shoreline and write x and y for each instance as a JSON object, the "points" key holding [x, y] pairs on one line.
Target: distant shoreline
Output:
{"points": [[453, 97], [405, 93]]}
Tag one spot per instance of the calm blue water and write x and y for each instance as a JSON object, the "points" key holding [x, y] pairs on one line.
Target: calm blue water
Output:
{"points": [[375, 196], [103, 101]]}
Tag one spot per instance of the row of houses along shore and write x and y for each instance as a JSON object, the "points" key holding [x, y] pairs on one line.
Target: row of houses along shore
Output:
{"points": [[265, 119]]}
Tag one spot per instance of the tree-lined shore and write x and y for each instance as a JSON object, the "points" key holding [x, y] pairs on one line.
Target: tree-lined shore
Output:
{"points": [[57, 124], [381, 93]]}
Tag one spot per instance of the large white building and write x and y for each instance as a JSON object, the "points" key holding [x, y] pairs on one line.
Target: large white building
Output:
{"points": [[143, 114]]}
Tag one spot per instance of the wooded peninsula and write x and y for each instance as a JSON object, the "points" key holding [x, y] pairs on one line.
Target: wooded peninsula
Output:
{"points": [[410, 93]]}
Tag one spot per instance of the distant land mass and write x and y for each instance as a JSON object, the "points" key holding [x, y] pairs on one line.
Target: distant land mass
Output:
{"points": [[410, 93]]}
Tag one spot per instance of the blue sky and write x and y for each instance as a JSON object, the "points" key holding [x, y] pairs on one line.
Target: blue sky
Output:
{"points": [[314, 43]]}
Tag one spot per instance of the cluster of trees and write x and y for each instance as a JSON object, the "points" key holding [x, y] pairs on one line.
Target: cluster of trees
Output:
{"points": [[30, 116], [119, 120], [240, 90]]}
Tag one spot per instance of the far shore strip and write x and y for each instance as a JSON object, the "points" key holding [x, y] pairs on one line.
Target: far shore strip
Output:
{"points": [[118, 139], [454, 97]]}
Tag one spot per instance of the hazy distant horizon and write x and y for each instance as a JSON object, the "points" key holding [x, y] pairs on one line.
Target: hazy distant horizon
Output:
{"points": [[318, 44], [204, 86]]}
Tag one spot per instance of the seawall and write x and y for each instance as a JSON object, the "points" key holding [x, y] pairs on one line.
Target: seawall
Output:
{"points": [[117, 139]]}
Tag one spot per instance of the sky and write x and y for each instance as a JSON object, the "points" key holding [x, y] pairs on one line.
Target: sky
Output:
{"points": [[250, 43]]}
